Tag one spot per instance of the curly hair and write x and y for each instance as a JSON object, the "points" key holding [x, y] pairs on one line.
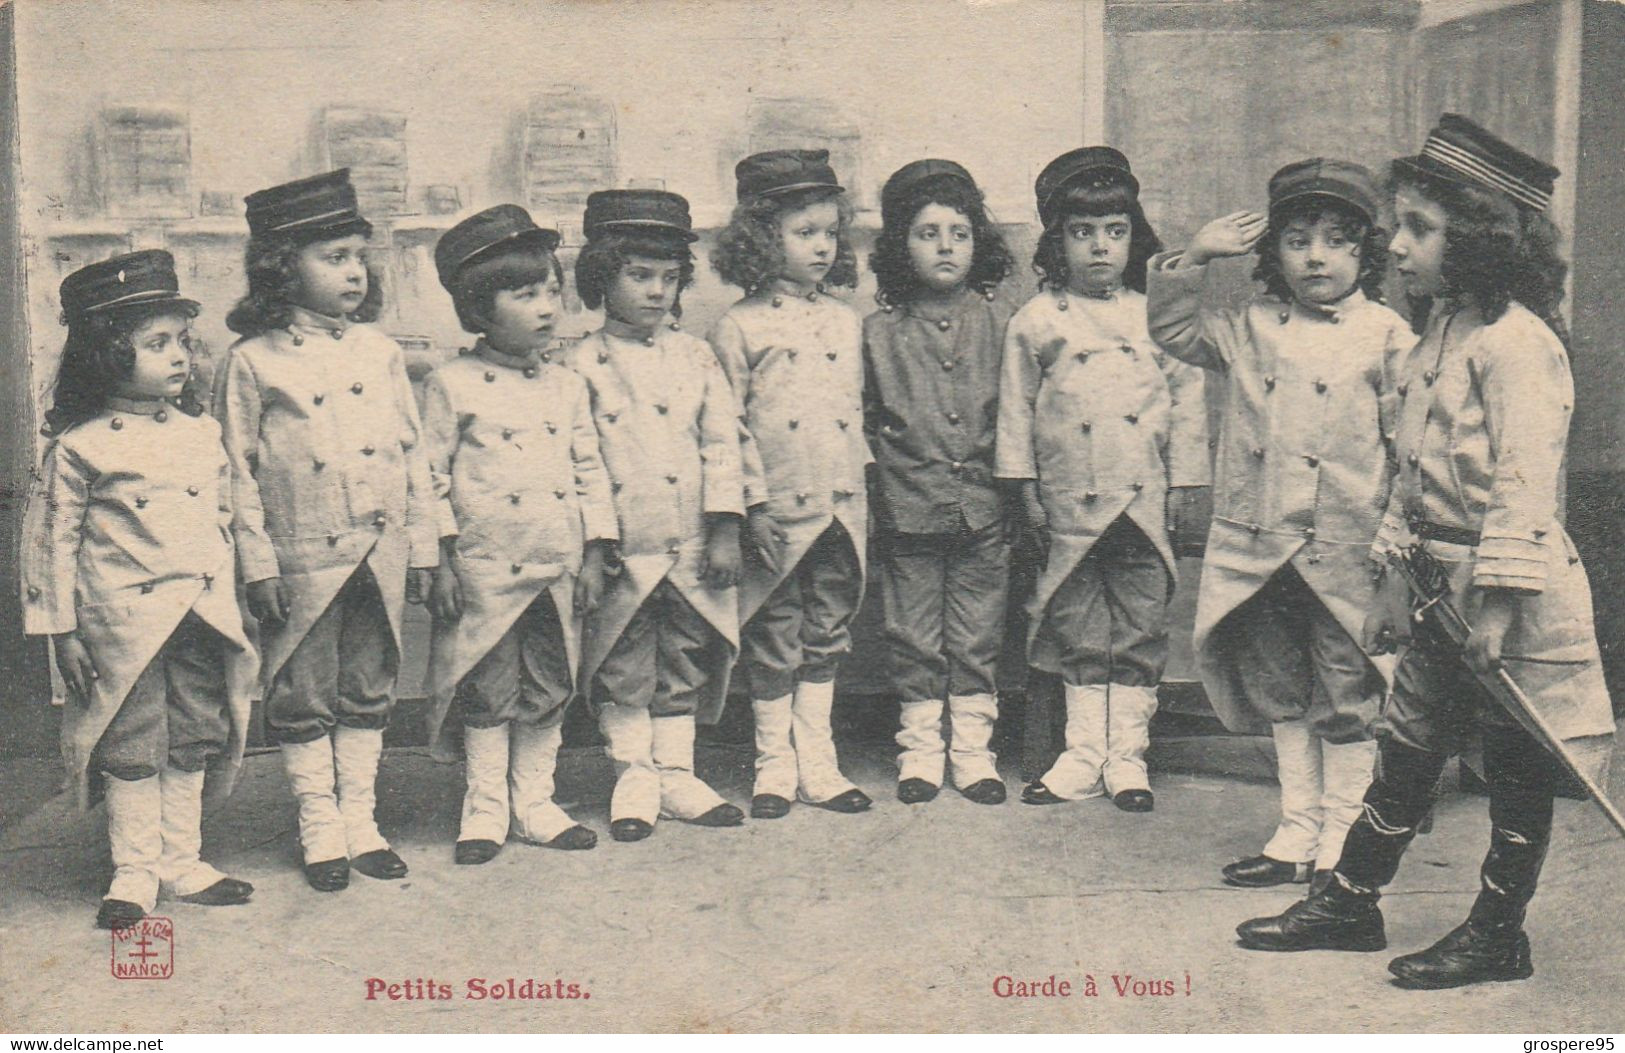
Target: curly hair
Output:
{"points": [[99, 354], [1495, 252], [891, 265], [475, 287], [1371, 239], [603, 256], [272, 265], [750, 251], [1098, 198]]}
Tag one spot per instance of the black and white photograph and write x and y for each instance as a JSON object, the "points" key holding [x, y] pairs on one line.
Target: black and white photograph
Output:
{"points": [[1080, 517]]}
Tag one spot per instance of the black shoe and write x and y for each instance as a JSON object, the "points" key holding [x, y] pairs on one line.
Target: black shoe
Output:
{"points": [[916, 791], [769, 806], [722, 815], [381, 863], [227, 892], [118, 914], [1337, 919], [473, 852], [851, 802], [1319, 881], [1470, 954], [1036, 792], [1263, 872], [630, 829], [330, 875], [1135, 801], [984, 791], [576, 839]]}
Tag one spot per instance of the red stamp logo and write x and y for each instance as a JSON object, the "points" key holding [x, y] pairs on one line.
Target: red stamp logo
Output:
{"points": [[145, 950]]}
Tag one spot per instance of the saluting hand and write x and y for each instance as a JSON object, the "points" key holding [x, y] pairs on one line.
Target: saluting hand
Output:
{"points": [[74, 662], [1232, 235]]}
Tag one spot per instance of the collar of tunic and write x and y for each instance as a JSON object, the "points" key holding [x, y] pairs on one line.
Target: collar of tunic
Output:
{"points": [[144, 407], [310, 321], [1329, 312], [526, 360]]}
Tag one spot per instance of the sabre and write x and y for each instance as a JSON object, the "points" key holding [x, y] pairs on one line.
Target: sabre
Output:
{"points": [[1429, 583]]}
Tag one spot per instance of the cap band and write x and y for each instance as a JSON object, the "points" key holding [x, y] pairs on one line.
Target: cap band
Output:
{"points": [[136, 297], [1475, 168], [305, 221]]}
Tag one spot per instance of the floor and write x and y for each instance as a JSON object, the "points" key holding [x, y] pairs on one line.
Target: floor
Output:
{"points": [[901, 919]]}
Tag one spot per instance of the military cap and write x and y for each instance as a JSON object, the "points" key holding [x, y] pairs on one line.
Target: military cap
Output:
{"points": [[497, 227], [775, 172], [918, 173], [1463, 152], [311, 205], [1097, 164], [647, 211], [1322, 177], [123, 281]]}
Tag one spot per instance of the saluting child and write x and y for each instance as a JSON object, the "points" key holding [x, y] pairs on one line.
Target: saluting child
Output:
{"points": [[525, 523], [333, 508], [1097, 426], [660, 644], [931, 397], [794, 356], [1302, 480], [1485, 401], [127, 564]]}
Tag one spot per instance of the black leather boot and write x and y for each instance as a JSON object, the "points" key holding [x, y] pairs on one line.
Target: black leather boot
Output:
{"points": [[1338, 918], [1472, 953]]}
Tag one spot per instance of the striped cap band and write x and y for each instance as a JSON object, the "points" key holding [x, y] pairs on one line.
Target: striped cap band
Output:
{"points": [[1480, 171], [305, 221]]}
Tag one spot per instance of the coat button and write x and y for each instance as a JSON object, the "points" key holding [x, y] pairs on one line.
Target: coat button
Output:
{"points": [[615, 488], [380, 520], [529, 372], [513, 498], [141, 502], [318, 465], [648, 341], [1083, 356], [661, 408], [117, 423], [367, 451], [318, 398], [791, 354], [603, 357], [552, 429], [192, 491], [1429, 377], [355, 389], [842, 495], [490, 377], [517, 567], [671, 479], [953, 418], [778, 301], [1413, 460], [1138, 487], [1258, 452], [610, 417], [298, 341], [945, 325], [160, 416], [1312, 460], [801, 499], [1253, 529], [1132, 418], [332, 539], [673, 548], [33, 592], [948, 366], [146, 587], [1060, 305], [208, 581], [958, 466], [1309, 532], [507, 433], [1127, 349], [841, 424], [1089, 495], [336, 334], [1087, 425], [794, 425], [1403, 388], [1269, 383], [831, 355], [547, 356], [1320, 387], [559, 494]]}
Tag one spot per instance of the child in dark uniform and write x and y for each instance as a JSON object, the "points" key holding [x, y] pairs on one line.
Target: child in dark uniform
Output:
{"points": [[931, 397]]}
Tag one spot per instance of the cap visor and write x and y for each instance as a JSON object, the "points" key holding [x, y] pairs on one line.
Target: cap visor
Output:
{"points": [[791, 188]]}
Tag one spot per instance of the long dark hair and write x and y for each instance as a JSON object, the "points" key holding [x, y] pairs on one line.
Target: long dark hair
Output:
{"points": [[750, 251], [271, 262], [99, 354], [1372, 239], [991, 261], [1104, 198], [1495, 252], [602, 258]]}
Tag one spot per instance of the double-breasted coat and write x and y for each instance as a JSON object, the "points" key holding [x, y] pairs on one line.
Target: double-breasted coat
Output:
{"points": [[128, 531], [327, 466], [1303, 456], [1102, 419], [669, 433], [1483, 428], [520, 485], [796, 367]]}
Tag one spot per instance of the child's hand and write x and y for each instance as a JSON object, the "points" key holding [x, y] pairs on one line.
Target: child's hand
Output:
{"points": [[268, 601], [1037, 519], [589, 588], [74, 661], [445, 594], [1388, 623], [719, 568], [1190, 511], [1232, 235], [1496, 608], [419, 582], [767, 539]]}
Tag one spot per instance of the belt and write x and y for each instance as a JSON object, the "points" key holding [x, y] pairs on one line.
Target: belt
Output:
{"points": [[1448, 534]]}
